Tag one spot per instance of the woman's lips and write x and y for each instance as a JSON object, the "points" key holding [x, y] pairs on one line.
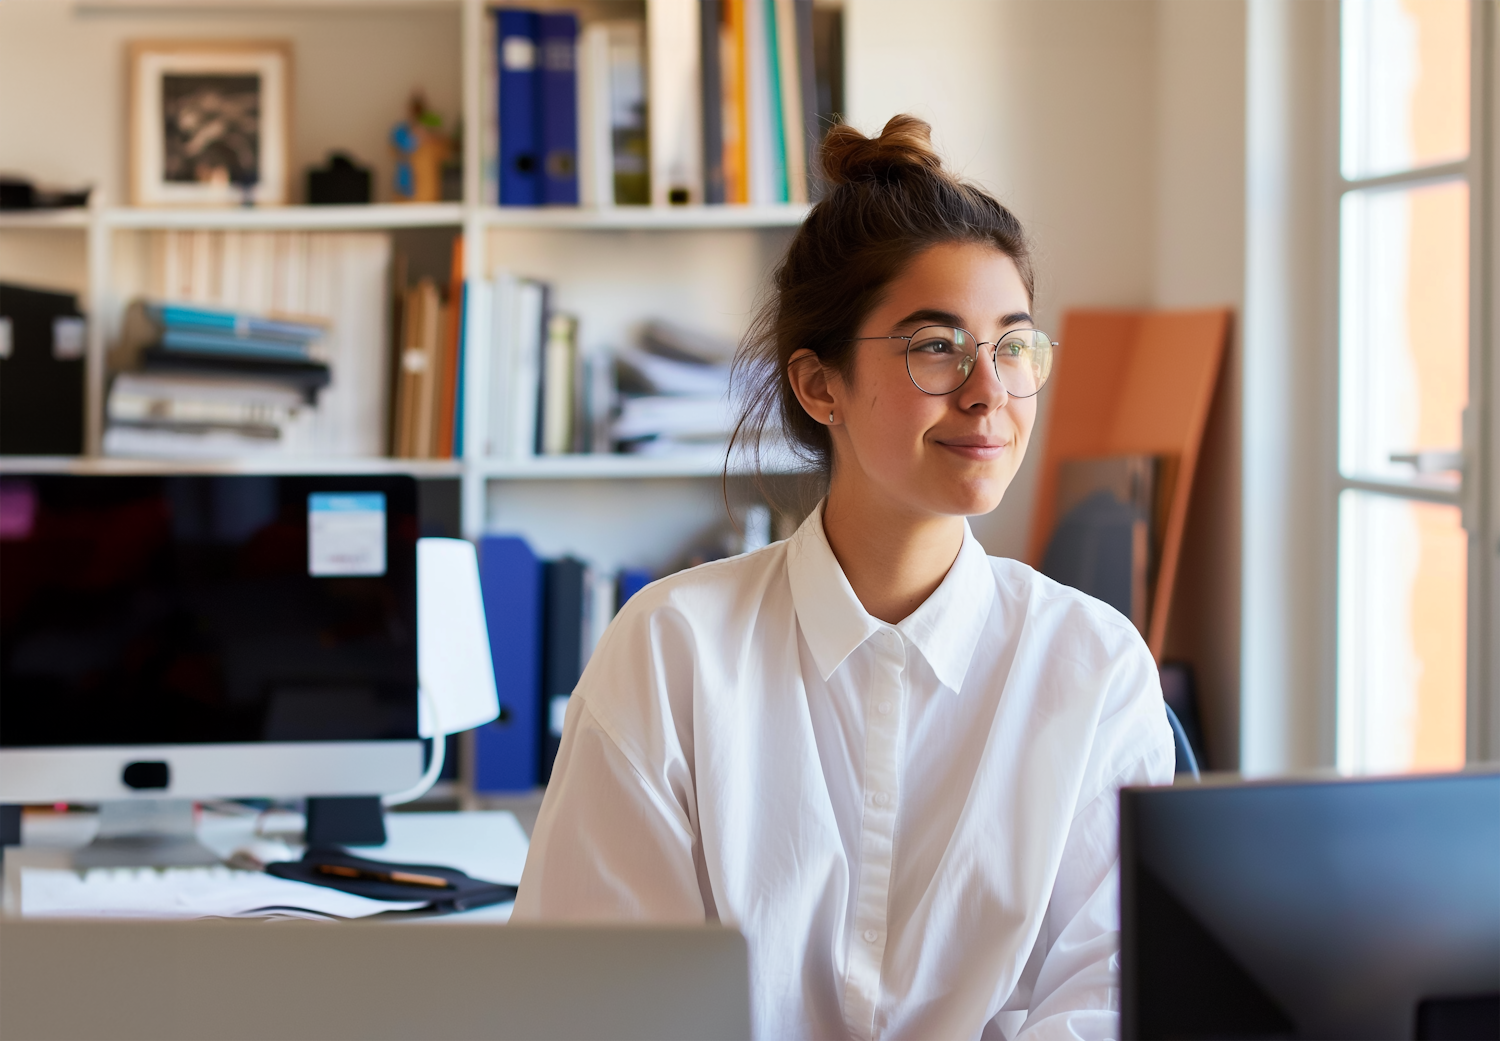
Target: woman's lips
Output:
{"points": [[977, 448]]}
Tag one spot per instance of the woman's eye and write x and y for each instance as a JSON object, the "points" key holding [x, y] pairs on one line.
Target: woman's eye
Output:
{"points": [[1011, 349], [934, 347]]}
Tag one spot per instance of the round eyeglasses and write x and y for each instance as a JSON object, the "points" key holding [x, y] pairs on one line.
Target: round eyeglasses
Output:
{"points": [[940, 359]]}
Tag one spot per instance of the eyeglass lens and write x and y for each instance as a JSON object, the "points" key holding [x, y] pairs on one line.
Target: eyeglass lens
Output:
{"points": [[940, 360]]}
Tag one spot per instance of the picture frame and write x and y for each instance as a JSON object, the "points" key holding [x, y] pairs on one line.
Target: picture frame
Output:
{"points": [[210, 122]]}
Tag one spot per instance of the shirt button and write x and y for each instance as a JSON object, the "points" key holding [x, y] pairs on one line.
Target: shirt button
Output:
{"points": [[871, 936], [881, 798], [884, 708]]}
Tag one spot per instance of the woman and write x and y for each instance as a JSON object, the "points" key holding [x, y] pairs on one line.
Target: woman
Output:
{"points": [[890, 760]]}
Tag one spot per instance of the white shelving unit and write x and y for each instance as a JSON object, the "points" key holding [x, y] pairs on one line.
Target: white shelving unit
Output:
{"points": [[615, 266]]}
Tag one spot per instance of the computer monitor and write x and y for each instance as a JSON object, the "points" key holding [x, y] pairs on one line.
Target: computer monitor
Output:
{"points": [[190, 636], [1362, 908]]}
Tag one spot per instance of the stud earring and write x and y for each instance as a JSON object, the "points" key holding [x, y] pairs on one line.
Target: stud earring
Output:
{"points": [[830, 417]]}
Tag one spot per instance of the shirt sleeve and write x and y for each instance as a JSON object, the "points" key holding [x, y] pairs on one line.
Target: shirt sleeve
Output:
{"points": [[1075, 985], [606, 847]]}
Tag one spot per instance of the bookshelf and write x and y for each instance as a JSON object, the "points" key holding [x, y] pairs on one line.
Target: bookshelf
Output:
{"points": [[616, 266]]}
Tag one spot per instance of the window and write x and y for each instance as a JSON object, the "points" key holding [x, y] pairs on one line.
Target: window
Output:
{"points": [[1409, 167]]}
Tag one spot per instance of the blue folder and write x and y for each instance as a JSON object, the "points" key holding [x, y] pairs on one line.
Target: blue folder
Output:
{"points": [[558, 37], [520, 134], [506, 752], [227, 343]]}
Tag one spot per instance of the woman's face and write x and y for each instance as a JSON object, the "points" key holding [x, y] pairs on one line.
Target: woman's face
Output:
{"points": [[952, 454]]}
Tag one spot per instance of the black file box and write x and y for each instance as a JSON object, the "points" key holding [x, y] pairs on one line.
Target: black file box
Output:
{"points": [[41, 372]]}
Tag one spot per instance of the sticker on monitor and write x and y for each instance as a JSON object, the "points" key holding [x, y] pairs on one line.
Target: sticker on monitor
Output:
{"points": [[345, 533]]}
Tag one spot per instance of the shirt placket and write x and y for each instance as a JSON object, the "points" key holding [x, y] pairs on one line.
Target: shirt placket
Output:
{"points": [[883, 707]]}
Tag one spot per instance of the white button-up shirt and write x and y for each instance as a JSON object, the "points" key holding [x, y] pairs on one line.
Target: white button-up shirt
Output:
{"points": [[914, 825]]}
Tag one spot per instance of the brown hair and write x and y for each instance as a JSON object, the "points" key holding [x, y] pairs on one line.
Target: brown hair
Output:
{"points": [[885, 200]]}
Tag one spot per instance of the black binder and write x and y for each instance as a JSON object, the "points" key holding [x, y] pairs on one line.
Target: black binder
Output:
{"points": [[41, 376]]}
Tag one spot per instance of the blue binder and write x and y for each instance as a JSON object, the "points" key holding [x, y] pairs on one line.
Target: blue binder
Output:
{"points": [[506, 751], [520, 135], [631, 582], [558, 37]]}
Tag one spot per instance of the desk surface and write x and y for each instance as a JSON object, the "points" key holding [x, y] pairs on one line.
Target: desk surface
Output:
{"points": [[487, 845]]}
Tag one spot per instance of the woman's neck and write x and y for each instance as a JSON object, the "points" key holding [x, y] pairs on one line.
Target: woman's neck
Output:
{"points": [[893, 558]]}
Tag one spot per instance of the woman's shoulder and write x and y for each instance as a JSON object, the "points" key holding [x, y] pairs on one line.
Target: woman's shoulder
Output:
{"points": [[711, 592], [1060, 612]]}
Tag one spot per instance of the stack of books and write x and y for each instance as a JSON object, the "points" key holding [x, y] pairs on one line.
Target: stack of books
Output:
{"points": [[342, 279], [674, 393], [546, 396], [210, 382], [426, 419], [724, 111]]}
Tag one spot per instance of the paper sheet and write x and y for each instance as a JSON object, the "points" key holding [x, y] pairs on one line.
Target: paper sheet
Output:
{"points": [[182, 893]]}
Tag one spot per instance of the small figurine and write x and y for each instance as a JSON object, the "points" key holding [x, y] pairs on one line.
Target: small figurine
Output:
{"points": [[421, 149]]}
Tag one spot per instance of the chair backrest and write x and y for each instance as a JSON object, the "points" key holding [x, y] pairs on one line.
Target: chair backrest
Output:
{"points": [[156, 979], [1187, 762]]}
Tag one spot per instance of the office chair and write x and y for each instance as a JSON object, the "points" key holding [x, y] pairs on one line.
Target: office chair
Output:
{"points": [[1187, 763]]}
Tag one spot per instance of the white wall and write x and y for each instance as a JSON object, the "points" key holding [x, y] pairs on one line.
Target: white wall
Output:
{"points": [[1047, 104], [1200, 262], [63, 80]]}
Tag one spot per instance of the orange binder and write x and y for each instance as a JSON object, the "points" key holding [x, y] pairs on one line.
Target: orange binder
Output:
{"points": [[1132, 383]]}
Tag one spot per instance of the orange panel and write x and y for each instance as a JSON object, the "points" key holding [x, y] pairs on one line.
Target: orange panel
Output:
{"points": [[1132, 382]]}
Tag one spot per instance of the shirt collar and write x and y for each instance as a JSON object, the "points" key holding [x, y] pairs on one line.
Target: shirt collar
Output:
{"points": [[945, 629]]}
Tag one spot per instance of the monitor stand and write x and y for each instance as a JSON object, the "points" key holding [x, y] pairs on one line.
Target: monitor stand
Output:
{"points": [[146, 833]]}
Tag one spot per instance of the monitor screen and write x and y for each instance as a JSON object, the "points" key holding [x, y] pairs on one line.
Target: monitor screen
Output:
{"points": [[1356, 908], [192, 609]]}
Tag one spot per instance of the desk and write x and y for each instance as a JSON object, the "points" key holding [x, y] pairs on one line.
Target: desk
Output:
{"points": [[487, 845]]}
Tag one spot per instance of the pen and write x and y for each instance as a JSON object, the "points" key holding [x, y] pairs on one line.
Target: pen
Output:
{"points": [[405, 878]]}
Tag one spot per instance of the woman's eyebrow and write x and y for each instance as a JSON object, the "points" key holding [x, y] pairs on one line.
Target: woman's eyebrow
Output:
{"points": [[928, 315], [932, 316]]}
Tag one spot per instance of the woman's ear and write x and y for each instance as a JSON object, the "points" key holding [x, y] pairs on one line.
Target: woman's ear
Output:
{"points": [[814, 387]]}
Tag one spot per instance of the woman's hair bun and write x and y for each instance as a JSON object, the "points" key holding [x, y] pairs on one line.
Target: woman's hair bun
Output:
{"points": [[904, 145]]}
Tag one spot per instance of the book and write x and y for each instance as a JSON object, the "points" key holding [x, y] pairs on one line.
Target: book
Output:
{"points": [[793, 123], [189, 442], [557, 35], [596, 169], [201, 318], [563, 611], [711, 100], [601, 398], [163, 398], [736, 121], [221, 343], [629, 144], [446, 409], [309, 375], [517, 309], [760, 142], [812, 135], [674, 91], [422, 315], [531, 318], [520, 144], [780, 184], [507, 751], [559, 378]]}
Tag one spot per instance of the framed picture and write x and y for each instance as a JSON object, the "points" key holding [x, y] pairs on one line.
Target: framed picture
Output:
{"points": [[210, 122]]}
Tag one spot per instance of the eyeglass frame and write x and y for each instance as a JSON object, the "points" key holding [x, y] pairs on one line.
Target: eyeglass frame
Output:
{"points": [[994, 357]]}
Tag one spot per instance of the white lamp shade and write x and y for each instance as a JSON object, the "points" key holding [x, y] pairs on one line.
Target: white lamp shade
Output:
{"points": [[453, 643]]}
